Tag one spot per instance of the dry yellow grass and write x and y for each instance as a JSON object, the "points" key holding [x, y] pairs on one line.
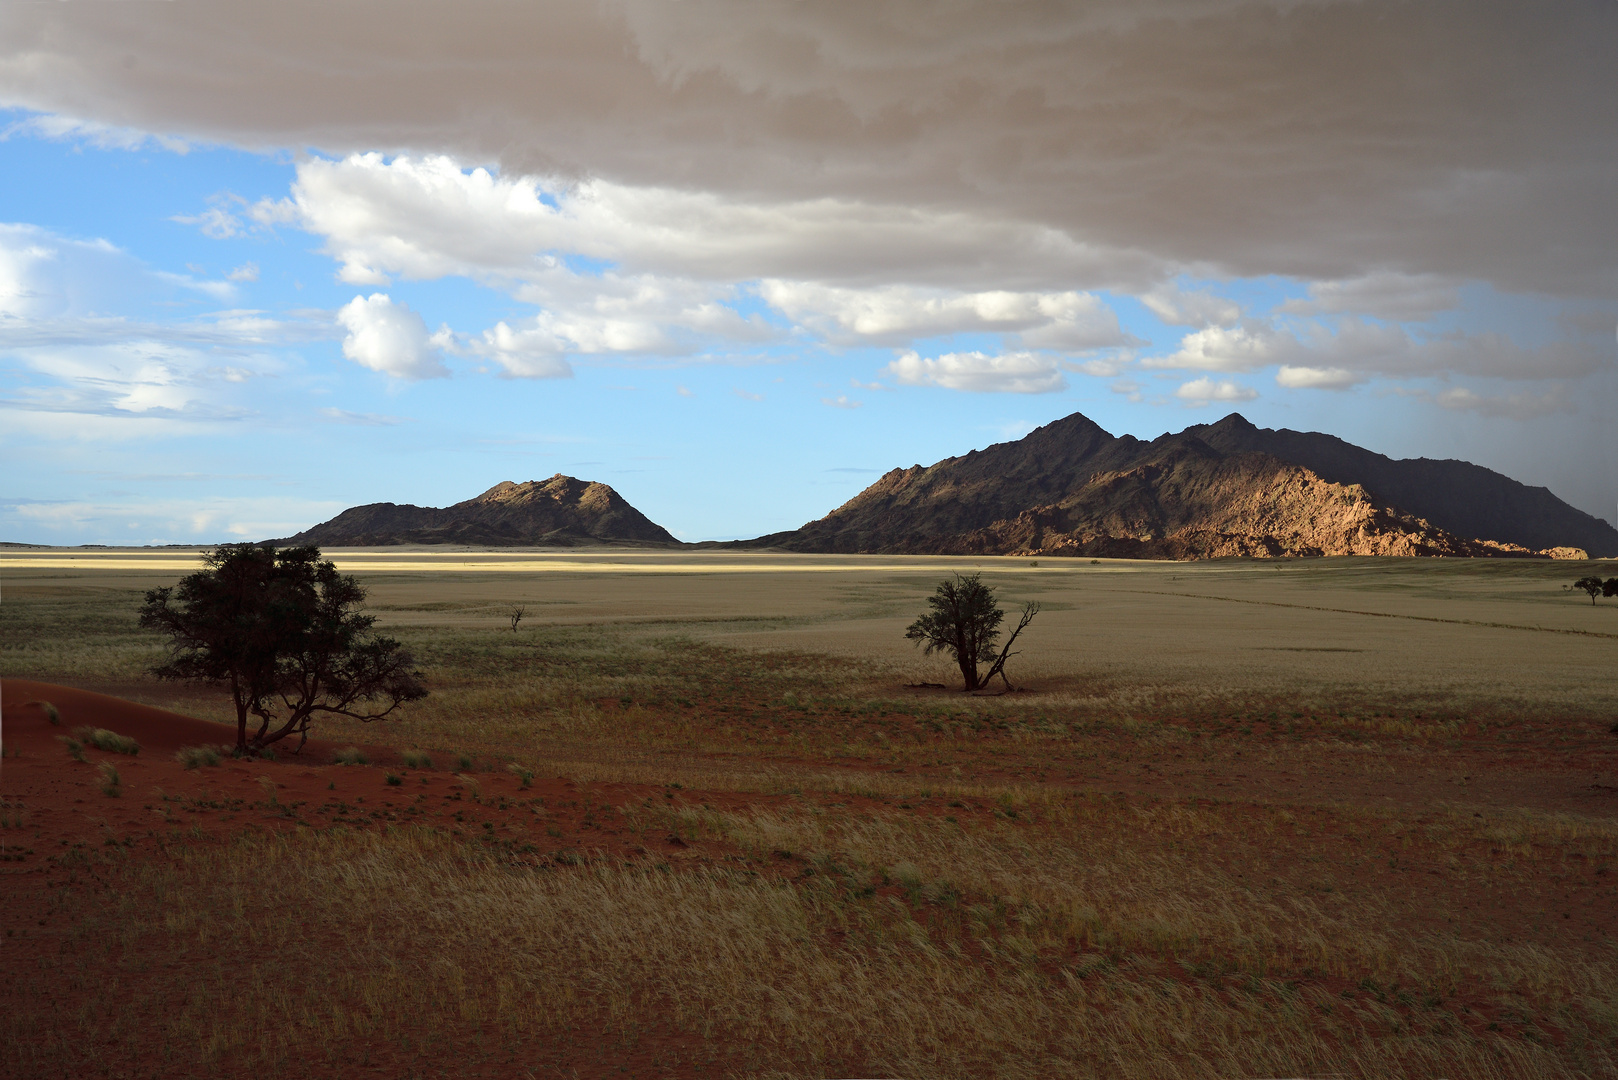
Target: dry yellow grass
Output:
{"points": [[411, 941], [1051, 931]]}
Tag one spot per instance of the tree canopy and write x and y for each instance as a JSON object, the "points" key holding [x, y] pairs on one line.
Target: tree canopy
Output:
{"points": [[278, 627], [1591, 585], [965, 623]]}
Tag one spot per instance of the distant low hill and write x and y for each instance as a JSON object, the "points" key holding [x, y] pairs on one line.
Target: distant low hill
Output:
{"points": [[561, 511], [1070, 488]]}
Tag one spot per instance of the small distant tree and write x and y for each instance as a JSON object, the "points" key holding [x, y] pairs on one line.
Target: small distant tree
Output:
{"points": [[1610, 587], [279, 629], [1592, 585], [965, 622], [515, 615]]}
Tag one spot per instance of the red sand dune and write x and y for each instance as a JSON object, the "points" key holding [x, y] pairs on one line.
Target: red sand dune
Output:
{"points": [[157, 730]]}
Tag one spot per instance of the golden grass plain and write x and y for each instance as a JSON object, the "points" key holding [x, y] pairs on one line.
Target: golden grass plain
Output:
{"points": [[1299, 818]]}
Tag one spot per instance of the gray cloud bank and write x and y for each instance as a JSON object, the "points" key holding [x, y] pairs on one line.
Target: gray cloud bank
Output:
{"points": [[1323, 140]]}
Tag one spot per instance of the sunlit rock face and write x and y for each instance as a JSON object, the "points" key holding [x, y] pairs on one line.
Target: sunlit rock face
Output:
{"points": [[1226, 489]]}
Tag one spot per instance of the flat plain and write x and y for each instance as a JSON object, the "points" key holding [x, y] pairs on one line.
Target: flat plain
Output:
{"points": [[701, 814]]}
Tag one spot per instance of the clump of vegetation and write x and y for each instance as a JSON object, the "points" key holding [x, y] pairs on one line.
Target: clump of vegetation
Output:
{"points": [[75, 749], [393, 779], [463, 761], [350, 755], [965, 622], [280, 630], [111, 782], [526, 775], [110, 741], [416, 759], [52, 713], [1594, 586], [195, 757], [473, 788]]}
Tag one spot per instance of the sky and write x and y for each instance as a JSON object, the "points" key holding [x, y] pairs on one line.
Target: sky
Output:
{"points": [[738, 258]]}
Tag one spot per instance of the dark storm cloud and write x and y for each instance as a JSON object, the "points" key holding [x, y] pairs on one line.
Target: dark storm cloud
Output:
{"points": [[1322, 140]]}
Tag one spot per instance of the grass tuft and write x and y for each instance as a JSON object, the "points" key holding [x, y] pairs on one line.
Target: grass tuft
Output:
{"points": [[416, 759], [351, 755], [111, 782], [75, 749], [110, 741], [393, 779], [522, 773], [195, 757]]}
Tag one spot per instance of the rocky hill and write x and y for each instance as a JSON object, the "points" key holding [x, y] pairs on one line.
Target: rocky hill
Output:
{"points": [[1070, 488], [1456, 496], [561, 511]]}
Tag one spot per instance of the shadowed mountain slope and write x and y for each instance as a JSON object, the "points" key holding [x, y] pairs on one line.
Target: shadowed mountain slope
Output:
{"points": [[1456, 496], [561, 511], [1070, 488]]}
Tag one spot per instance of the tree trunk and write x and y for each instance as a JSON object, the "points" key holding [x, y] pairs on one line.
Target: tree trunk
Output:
{"points": [[969, 672], [241, 716]]}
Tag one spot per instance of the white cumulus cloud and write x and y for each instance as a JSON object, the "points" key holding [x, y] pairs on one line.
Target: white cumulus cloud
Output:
{"points": [[1311, 378], [1205, 391], [897, 314], [1180, 307], [1011, 373], [391, 338]]}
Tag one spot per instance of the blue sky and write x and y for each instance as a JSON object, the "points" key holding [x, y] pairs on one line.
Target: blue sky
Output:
{"points": [[210, 332]]}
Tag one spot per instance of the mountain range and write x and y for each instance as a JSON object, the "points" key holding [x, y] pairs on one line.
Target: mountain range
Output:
{"points": [[1071, 488]]}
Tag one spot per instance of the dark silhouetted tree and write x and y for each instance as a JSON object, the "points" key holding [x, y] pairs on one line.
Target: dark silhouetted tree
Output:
{"points": [[965, 622], [1591, 585], [280, 630], [1610, 587]]}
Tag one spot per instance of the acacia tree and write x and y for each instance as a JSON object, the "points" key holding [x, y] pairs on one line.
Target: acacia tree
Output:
{"points": [[278, 627], [964, 622], [1591, 585]]}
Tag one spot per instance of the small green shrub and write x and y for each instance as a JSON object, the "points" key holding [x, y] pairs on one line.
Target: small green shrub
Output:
{"points": [[111, 782], [110, 741], [75, 749], [352, 755], [393, 779], [195, 757], [521, 773], [51, 713], [463, 762], [416, 759]]}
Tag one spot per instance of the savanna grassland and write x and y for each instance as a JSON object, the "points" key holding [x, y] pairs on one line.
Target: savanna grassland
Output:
{"points": [[700, 815]]}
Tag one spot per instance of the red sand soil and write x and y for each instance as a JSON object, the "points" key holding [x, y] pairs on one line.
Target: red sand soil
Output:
{"points": [[65, 807]]}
